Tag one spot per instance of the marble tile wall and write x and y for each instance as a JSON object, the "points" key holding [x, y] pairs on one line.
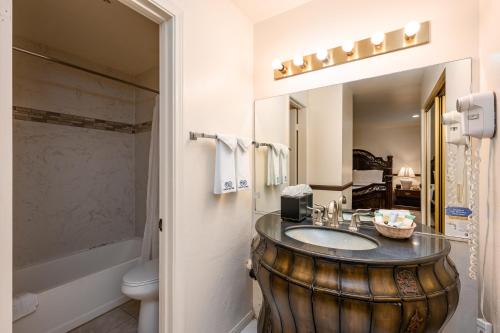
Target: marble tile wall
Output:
{"points": [[74, 185]]}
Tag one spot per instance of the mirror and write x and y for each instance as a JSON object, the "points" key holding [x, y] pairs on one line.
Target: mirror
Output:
{"points": [[379, 142]]}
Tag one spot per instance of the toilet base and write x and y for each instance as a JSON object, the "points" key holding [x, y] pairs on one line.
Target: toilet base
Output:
{"points": [[148, 317]]}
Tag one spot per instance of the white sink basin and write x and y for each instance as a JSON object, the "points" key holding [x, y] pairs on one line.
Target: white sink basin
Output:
{"points": [[331, 238]]}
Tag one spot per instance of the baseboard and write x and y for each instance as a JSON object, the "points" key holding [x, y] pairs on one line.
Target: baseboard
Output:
{"points": [[80, 320], [242, 323]]}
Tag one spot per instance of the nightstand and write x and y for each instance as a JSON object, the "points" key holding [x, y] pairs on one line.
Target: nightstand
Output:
{"points": [[407, 197]]}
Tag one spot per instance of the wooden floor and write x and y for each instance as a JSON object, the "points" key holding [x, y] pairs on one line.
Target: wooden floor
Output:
{"points": [[122, 319]]}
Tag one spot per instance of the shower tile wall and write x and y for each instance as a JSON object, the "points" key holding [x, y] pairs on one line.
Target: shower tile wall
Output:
{"points": [[74, 188]]}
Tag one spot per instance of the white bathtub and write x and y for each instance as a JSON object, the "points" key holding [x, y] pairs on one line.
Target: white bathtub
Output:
{"points": [[77, 288]]}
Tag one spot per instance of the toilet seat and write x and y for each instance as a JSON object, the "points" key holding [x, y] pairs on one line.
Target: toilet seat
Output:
{"points": [[145, 273]]}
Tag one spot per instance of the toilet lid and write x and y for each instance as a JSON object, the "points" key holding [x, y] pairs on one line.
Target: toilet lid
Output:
{"points": [[142, 274]]}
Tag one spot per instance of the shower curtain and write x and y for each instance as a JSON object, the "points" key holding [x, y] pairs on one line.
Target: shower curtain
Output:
{"points": [[150, 241]]}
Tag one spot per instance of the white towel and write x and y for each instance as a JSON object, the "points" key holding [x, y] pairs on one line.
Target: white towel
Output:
{"points": [[273, 166], [243, 164], [225, 167], [23, 305], [283, 162]]}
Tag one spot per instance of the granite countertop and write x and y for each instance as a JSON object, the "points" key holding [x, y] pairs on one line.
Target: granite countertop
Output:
{"points": [[421, 247]]}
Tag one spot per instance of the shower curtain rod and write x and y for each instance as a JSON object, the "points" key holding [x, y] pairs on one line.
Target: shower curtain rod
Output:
{"points": [[62, 62]]}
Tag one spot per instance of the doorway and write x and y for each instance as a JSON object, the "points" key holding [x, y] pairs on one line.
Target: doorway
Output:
{"points": [[434, 156], [168, 16], [298, 137]]}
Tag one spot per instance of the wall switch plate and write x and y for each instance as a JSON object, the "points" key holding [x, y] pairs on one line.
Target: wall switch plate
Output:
{"points": [[484, 326]]}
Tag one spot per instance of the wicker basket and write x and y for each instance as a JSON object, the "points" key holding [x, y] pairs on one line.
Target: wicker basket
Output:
{"points": [[393, 232]]}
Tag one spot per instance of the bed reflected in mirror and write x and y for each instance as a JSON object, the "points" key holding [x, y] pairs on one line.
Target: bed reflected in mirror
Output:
{"points": [[378, 143]]}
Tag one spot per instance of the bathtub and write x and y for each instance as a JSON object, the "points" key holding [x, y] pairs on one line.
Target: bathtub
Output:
{"points": [[75, 289]]}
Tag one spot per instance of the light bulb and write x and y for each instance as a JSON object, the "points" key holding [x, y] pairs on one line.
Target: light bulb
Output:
{"points": [[348, 46], [298, 61], [378, 38], [415, 116], [278, 65], [411, 29], [322, 55]]}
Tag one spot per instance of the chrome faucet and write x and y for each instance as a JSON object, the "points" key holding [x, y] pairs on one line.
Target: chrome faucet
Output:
{"points": [[341, 202], [319, 214], [332, 214], [356, 220]]}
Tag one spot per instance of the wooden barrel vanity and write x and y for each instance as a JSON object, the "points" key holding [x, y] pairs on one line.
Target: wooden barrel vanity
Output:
{"points": [[406, 286]]}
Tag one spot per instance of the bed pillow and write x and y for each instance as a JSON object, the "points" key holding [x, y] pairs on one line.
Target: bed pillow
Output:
{"points": [[366, 177]]}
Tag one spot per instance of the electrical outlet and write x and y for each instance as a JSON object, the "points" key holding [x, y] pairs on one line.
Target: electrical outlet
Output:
{"points": [[484, 326]]}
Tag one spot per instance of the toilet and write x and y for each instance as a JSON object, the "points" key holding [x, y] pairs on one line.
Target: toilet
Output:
{"points": [[141, 283]]}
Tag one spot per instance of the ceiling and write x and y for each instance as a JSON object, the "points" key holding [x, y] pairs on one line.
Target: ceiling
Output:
{"points": [[106, 33], [389, 99], [259, 10]]}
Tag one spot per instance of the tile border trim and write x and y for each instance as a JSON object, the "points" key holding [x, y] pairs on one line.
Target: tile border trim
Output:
{"points": [[65, 119]]}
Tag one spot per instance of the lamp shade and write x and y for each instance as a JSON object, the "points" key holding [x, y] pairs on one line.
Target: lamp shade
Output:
{"points": [[406, 172]]}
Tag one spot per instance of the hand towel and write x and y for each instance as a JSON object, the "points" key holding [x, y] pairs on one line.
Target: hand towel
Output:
{"points": [[225, 167], [273, 166], [283, 162], [243, 163], [23, 305]]}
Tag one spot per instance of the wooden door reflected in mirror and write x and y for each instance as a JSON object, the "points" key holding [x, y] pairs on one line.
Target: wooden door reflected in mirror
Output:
{"points": [[434, 157]]}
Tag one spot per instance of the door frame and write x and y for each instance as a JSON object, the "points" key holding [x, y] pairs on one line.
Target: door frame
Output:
{"points": [[170, 19], [436, 98]]}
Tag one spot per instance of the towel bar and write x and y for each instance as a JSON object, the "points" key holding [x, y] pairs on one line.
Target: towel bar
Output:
{"points": [[196, 135]]}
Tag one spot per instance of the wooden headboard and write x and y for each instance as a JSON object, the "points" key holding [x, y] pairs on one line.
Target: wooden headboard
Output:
{"points": [[364, 160], [372, 196]]}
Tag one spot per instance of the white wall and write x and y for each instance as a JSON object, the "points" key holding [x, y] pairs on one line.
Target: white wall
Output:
{"points": [[6, 167], [212, 241], [489, 60], [271, 126], [325, 23], [329, 140]]}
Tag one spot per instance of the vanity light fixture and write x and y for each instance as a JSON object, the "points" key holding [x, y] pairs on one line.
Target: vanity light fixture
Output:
{"points": [[278, 66], [411, 35], [299, 61], [416, 116], [348, 47], [411, 29], [322, 55], [378, 39]]}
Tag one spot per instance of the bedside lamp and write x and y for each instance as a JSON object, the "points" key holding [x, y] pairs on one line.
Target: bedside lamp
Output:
{"points": [[407, 174]]}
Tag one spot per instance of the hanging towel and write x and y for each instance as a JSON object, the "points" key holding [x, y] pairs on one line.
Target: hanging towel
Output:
{"points": [[273, 166], [243, 163], [23, 305], [225, 166], [283, 162]]}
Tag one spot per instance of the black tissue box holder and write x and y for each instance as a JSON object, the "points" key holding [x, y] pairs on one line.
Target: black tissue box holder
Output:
{"points": [[295, 208]]}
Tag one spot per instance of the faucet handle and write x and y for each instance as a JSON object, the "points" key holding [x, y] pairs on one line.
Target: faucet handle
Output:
{"points": [[353, 226], [317, 215]]}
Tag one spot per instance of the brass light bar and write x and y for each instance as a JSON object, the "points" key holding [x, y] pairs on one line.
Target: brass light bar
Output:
{"points": [[393, 41]]}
